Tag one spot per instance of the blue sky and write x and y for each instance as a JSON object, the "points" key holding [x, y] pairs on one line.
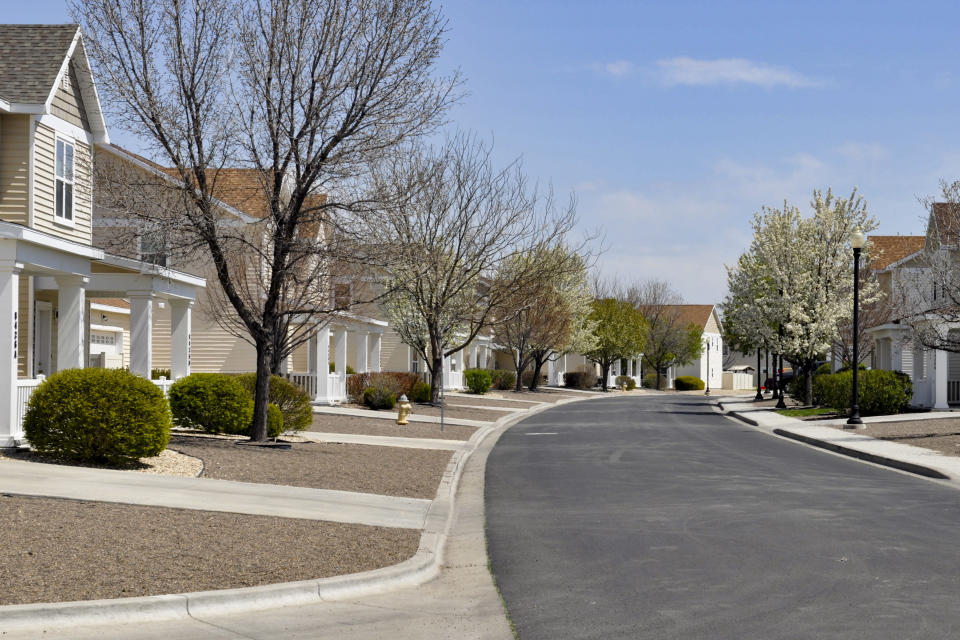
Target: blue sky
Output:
{"points": [[674, 122]]}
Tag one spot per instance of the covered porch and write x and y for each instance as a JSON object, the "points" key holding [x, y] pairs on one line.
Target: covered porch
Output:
{"points": [[46, 284], [935, 373]]}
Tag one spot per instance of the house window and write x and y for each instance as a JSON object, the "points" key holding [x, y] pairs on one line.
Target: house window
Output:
{"points": [[64, 181], [153, 248], [341, 295], [108, 339]]}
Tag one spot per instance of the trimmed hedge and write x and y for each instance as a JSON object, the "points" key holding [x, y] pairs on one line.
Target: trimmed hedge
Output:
{"points": [[274, 421], [880, 392], [478, 380], [650, 381], [526, 379], [579, 379], [357, 383], [97, 415], [382, 390], [212, 402], [626, 380], [292, 401], [504, 379], [688, 383]]}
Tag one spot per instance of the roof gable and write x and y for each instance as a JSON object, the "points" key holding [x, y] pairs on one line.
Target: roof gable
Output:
{"points": [[696, 314], [888, 250]]}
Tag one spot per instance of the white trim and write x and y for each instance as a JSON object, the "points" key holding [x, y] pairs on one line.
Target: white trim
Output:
{"points": [[21, 107], [32, 171], [96, 306], [146, 268], [62, 220], [66, 129], [64, 68], [13, 231], [106, 328]]}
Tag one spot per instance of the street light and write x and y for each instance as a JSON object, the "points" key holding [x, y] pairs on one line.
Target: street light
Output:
{"points": [[759, 395], [780, 403], [856, 241], [707, 392]]}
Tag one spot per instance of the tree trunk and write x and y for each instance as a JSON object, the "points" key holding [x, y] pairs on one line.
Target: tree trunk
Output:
{"points": [[537, 366], [436, 373], [261, 395], [658, 377], [605, 373], [808, 388]]}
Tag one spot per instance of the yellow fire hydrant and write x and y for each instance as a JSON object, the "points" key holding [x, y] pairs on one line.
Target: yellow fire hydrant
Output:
{"points": [[403, 410], [623, 387]]}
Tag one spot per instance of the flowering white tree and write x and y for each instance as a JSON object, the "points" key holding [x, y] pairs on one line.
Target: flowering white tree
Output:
{"points": [[794, 287]]}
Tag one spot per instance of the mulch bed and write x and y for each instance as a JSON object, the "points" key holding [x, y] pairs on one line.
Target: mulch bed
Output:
{"points": [[941, 435], [63, 550], [412, 473], [331, 423]]}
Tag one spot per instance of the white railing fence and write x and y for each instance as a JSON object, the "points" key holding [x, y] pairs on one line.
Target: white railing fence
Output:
{"points": [[953, 391], [25, 389], [338, 387], [164, 384], [306, 381]]}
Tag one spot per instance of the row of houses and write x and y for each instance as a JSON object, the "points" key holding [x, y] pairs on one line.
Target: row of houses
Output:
{"points": [[66, 302]]}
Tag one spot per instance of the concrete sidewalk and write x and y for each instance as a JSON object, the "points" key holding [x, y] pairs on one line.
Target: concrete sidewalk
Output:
{"points": [[208, 494], [905, 457]]}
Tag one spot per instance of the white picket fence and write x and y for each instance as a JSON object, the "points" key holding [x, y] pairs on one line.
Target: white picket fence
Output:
{"points": [[25, 389]]}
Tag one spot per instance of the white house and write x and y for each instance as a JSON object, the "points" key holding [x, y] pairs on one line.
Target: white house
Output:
{"points": [[50, 123], [709, 366]]}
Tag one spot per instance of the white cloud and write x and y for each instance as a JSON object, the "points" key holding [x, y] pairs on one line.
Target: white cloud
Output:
{"points": [[728, 71]]}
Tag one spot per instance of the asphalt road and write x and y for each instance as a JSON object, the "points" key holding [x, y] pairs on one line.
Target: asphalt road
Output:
{"points": [[655, 517]]}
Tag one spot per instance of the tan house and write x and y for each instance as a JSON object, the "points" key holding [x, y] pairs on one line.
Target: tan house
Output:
{"points": [[50, 124]]}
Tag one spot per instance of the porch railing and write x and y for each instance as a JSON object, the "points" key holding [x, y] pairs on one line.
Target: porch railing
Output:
{"points": [[164, 384], [25, 389], [953, 391]]}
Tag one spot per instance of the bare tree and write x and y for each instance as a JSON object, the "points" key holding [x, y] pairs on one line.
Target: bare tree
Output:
{"points": [[670, 340], [453, 220], [305, 93]]}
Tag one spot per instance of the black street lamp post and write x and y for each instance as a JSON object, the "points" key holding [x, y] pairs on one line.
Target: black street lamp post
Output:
{"points": [[759, 396], [856, 241], [779, 357]]}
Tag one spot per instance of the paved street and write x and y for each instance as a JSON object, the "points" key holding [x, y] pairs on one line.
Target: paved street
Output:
{"points": [[655, 517]]}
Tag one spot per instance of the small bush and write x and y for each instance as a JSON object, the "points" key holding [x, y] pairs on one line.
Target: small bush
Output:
{"points": [[274, 421], [333, 367], [526, 379], [97, 415], [379, 398], [688, 383], [293, 402], [420, 392], [156, 374], [402, 384], [213, 402], [825, 368], [579, 379], [503, 379], [880, 392], [626, 380], [355, 386], [478, 380]]}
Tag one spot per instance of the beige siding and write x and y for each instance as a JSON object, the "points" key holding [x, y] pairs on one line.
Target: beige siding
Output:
{"points": [[300, 358], [394, 355], [68, 102], [15, 168], [44, 189], [24, 328], [214, 350], [712, 326]]}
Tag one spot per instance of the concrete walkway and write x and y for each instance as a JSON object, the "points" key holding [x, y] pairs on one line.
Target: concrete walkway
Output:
{"points": [[385, 441], [208, 494], [389, 415], [905, 457]]}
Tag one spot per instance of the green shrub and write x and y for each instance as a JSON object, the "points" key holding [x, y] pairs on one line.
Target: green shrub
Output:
{"points": [[379, 398], [293, 402], [402, 384], [825, 368], [332, 366], [579, 379], [156, 374], [688, 383], [478, 380], [97, 415], [503, 379], [420, 392], [274, 421], [213, 402], [880, 392], [526, 379], [626, 380]]}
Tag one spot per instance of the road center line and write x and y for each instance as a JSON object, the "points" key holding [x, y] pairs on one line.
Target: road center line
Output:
{"points": [[541, 433]]}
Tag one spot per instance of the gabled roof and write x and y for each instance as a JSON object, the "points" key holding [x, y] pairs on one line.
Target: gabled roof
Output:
{"points": [[34, 58], [890, 249], [944, 222], [697, 314]]}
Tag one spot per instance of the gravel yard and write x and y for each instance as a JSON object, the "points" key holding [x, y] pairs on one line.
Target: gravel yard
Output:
{"points": [[450, 412], [169, 462], [540, 396], [941, 435], [411, 473], [63, 550], [488, 401], [331, 423]]}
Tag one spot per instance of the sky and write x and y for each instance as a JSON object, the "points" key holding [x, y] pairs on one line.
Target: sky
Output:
{"points": [[673, 122]]}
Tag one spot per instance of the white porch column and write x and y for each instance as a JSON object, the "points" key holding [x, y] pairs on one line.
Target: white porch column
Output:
{"points": [[319, 359], [375, 347], [941, 372], [340, 351], [363, 351], [9, 341], [141, 332], [484, 354], [71, 322], [180, 325], [896, 354], [474, 355]]}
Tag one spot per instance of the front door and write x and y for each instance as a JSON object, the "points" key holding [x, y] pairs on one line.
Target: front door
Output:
{"points": [[42, 334]]}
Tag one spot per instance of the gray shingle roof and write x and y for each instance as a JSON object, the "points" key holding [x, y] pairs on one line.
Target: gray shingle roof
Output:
{"points": [[30, 58]]}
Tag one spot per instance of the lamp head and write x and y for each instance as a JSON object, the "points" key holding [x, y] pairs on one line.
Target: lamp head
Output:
{"points": [[857, 238]]}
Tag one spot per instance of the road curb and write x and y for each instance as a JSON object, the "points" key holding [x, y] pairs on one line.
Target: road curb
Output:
{"points": [[909, 467], [422, 567]]}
